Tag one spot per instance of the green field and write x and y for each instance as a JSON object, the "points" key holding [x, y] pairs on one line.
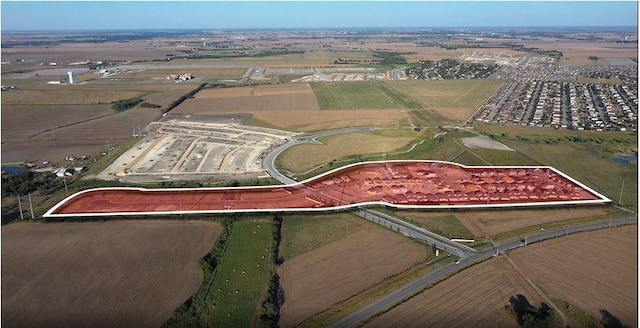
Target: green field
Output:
{"points": [[238, 296], [445, 224], [302, 233], [451, 100], [360, 95], [585, 156]]}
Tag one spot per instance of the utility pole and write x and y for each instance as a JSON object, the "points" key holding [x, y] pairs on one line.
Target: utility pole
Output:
{"points": [[621, 187], [64, 179], [31, 208], [20, 207], [53, 132]]}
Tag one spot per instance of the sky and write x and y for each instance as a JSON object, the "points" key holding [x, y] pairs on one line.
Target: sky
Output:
{"points": [[94, 15]]}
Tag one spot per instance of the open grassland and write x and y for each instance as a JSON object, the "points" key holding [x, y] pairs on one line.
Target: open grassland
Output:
{"points": [[585, 156], [322, 278], [243, 274], [593, 271], [100, 274], [303, 158], [454, 101], [476, 297], [303, 233], [360, 95], [445, 224], [496, 222]]}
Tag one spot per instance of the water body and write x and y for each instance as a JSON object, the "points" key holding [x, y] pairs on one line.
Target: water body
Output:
{"points": [[12, 170], [625, 160]]}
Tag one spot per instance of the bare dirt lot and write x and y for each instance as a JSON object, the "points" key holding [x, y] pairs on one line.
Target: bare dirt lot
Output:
{"points": [[195, 150], [484, 143], [318, 280], [593, 271], [100, 274], [475, 297]]}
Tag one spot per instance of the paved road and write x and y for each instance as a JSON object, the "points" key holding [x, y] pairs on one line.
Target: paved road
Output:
{"points": [[269, 162], [392, 299], [415, 232]]}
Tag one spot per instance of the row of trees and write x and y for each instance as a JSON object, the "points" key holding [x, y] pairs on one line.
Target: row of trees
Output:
{"points": [[275, 295]]}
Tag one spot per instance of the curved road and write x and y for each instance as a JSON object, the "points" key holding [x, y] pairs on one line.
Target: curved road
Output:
{"points": [[468, 256], [394, 298], [269, 162]]}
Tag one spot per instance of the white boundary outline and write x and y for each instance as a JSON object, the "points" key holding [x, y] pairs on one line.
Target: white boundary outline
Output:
{"points": [[602, 199]]}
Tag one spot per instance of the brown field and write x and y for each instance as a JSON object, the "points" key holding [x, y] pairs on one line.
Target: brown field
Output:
{"points": [[93, 93], [286, 97], [320, 279], [586, 49], [24, 121], [70, 52], [87, 138], [198, 73], [305, 157], [593, 271], [475, 297], [483, 223], [100, 274]]}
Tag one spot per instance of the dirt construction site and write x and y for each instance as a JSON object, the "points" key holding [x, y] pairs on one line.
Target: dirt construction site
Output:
{"points": [[195, 150]]}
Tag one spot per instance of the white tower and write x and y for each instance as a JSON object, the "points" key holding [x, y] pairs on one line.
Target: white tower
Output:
{"points": [[70, 77]]}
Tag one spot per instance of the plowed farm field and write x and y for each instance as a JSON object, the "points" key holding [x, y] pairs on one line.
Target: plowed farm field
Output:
{"points": [[325, 276], [285, 97], [475, 297], [100, 274], [592, 271]]}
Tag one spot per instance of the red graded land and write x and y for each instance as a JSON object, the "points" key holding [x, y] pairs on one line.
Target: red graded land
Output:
{"points": [[401, 183], [100, 274]]}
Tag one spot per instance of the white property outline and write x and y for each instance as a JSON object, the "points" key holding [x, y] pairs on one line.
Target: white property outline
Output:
{"points": [[602, 199]]}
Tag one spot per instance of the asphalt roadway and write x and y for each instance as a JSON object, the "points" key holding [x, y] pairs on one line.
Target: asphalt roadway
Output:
{"points": [[269, 162], [394, 298], [415, 232], [468, 256]]}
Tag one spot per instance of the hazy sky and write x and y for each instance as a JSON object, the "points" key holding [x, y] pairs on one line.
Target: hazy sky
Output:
{"points": [[57, 15]]}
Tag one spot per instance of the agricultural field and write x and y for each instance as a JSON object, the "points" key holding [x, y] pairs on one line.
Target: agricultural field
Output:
{"points": [[83, 94], [360, 95], [103, 274], [334, 270], [286, 97], [242, 275], [593, 271], [303, 158], [476, 297], [493, 223], [314, 120], [304, 233], [454, 101]]}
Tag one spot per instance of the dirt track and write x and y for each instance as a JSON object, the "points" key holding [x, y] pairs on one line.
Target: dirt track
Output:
{"points": [[100, 274]]}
